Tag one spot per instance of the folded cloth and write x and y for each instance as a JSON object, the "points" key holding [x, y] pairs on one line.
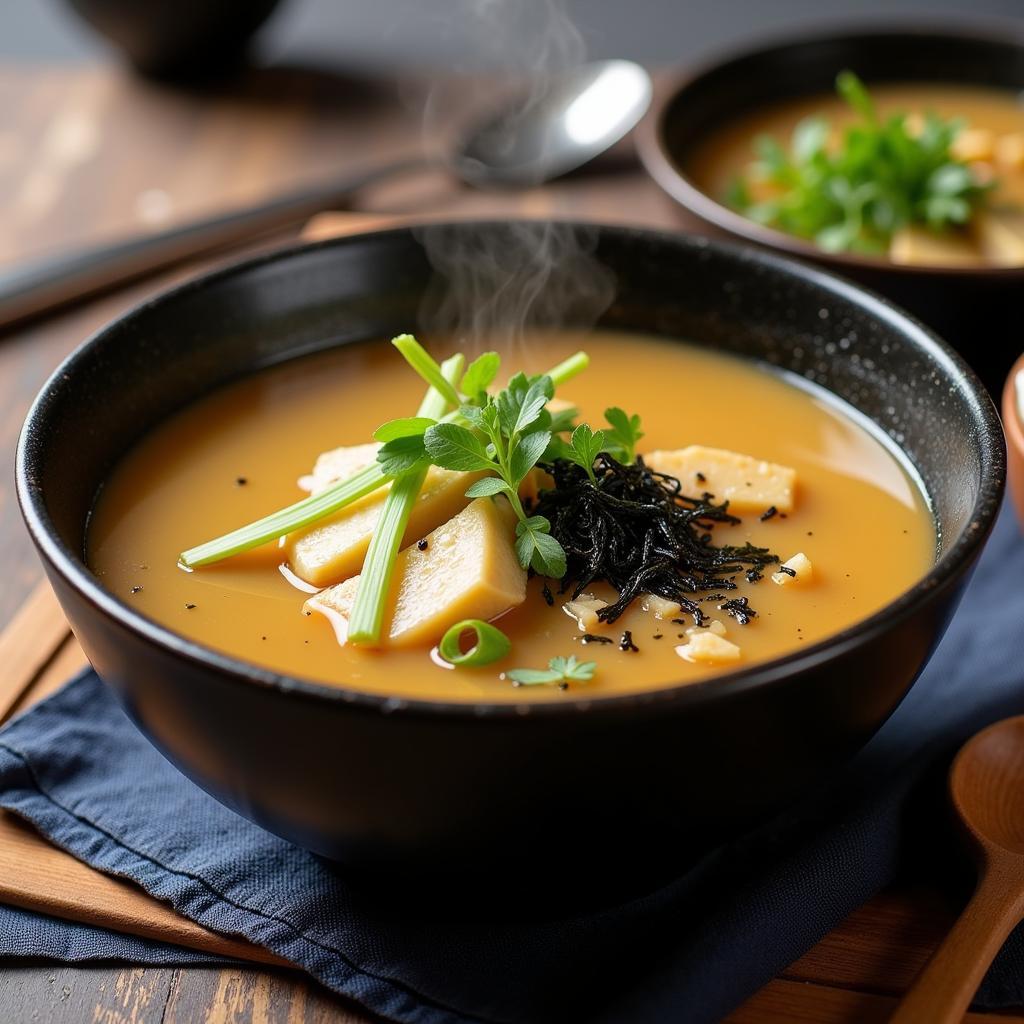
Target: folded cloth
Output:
{"points": [[77, 769]]}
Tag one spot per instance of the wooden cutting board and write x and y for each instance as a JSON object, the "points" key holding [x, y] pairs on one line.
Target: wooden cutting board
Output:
{"points": [[39, 654]]}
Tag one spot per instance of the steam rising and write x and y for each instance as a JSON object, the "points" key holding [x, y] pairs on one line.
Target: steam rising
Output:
{"points": [[496, 283]]}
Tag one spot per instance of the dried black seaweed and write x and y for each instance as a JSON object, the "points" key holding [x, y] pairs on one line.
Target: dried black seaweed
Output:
{"points": [[635, 529]]}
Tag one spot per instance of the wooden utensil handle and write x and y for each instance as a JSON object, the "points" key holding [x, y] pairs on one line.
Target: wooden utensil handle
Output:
{"points": [[943, 991]]}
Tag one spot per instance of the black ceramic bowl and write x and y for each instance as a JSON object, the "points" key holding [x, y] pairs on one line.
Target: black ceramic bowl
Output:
{"points": [[975, 308], [424, 785]]}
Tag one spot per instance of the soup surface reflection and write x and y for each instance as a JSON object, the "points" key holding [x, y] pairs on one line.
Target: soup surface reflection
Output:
{"points": [[237, 454]]}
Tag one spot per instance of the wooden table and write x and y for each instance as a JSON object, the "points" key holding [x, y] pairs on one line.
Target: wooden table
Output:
{"points": [[87, 152]]}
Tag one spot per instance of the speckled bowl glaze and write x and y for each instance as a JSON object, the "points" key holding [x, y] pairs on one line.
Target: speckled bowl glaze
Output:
{"points": [[974, 308], [631, 781]]}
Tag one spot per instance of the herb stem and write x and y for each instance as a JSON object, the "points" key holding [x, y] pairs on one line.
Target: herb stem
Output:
{"points": [[367, 616], [426, 366], [285, 520], [568, 368]]}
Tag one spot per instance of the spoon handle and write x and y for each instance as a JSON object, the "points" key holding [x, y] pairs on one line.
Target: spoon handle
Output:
{"points": [[943, 990], [34, 288]]}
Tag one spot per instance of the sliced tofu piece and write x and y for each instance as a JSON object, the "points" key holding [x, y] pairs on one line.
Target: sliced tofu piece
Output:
{"points": [[973, 144], [708, 648], [748, 484], [916, 246], [584, 610], [660, 607], [334, 548], [337, 464], [714, 626], [1000, 235], [468, 570], [799, 569]]}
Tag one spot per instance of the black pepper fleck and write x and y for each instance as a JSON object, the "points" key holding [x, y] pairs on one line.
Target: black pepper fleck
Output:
{"points": [[593, 638], [306, 612], [549, 598], [701, 478], [657, 636], [422, 545], [136, 589], [189, 605], [768, 513], [626, 643], [241, 481]]}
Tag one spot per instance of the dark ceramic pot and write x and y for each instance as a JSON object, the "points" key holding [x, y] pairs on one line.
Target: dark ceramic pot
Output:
{"points": [[975, 308], [178, 39], [625, 781]]}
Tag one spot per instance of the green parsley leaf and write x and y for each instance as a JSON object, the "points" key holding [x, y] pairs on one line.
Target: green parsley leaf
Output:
{"points": [[526, 455], [453, 447], [480, 374], [624, 434], [401, 454], [521, 402], [559, 670], [487, 487], [407, 426], [584, 447], [537, 549]]}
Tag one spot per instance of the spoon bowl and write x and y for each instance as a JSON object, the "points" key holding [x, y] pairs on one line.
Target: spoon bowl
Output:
{"points": [[987, 786], [559, 126]]}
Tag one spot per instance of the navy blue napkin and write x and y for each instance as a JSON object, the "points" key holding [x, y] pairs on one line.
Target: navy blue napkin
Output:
{"points": [[76, 768]]}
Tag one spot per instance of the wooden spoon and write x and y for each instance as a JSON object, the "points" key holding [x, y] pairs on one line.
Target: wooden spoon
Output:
{"points": [[987, 786]]}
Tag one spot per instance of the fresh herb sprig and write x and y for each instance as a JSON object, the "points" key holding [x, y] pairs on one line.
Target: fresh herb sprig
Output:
{"points": [[560, 672], [503, 435], [881, 176]]}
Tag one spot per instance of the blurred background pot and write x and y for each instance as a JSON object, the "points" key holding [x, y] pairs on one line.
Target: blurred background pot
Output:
{"points": [[178, 39]]}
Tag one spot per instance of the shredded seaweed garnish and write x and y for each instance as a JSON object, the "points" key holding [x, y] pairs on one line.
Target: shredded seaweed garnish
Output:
{"points": [[635, 529], [595, 638], [739, 608]]}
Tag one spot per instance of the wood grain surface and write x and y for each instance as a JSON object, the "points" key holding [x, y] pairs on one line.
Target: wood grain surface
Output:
{"points": [[87, 153]]}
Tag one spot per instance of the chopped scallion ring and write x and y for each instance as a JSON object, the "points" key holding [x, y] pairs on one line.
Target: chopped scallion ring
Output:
{"points": [[491, 644]]}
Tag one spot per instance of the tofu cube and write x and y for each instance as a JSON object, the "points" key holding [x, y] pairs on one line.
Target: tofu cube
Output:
{"points": [[584, 610], [800, 568], [660, 607], [917, 246], [747, 483], [338, 464], [468, 570], [333, 549], [1000, 235], [713, 626], [707, 648], [973, 144]]}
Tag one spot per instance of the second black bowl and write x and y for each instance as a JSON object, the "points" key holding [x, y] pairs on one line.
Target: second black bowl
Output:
{"points": [[975, 308], [629, 781]]}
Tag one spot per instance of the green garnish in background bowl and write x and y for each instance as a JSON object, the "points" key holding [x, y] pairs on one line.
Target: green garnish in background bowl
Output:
{"points": [[881, 175]]}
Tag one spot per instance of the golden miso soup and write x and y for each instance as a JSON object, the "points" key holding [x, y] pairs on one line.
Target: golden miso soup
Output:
{"points": [[857, 517]]}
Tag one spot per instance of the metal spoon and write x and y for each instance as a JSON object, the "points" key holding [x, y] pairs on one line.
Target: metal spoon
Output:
{"points": [[987, 786], [562, 125]]}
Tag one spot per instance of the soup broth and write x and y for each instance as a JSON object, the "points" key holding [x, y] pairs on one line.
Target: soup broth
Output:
{"points": [[237, 454]]}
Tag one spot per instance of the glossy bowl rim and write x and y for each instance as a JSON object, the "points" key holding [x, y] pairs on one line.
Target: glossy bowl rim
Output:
{"points": [[71, 567], [670, 177]]}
